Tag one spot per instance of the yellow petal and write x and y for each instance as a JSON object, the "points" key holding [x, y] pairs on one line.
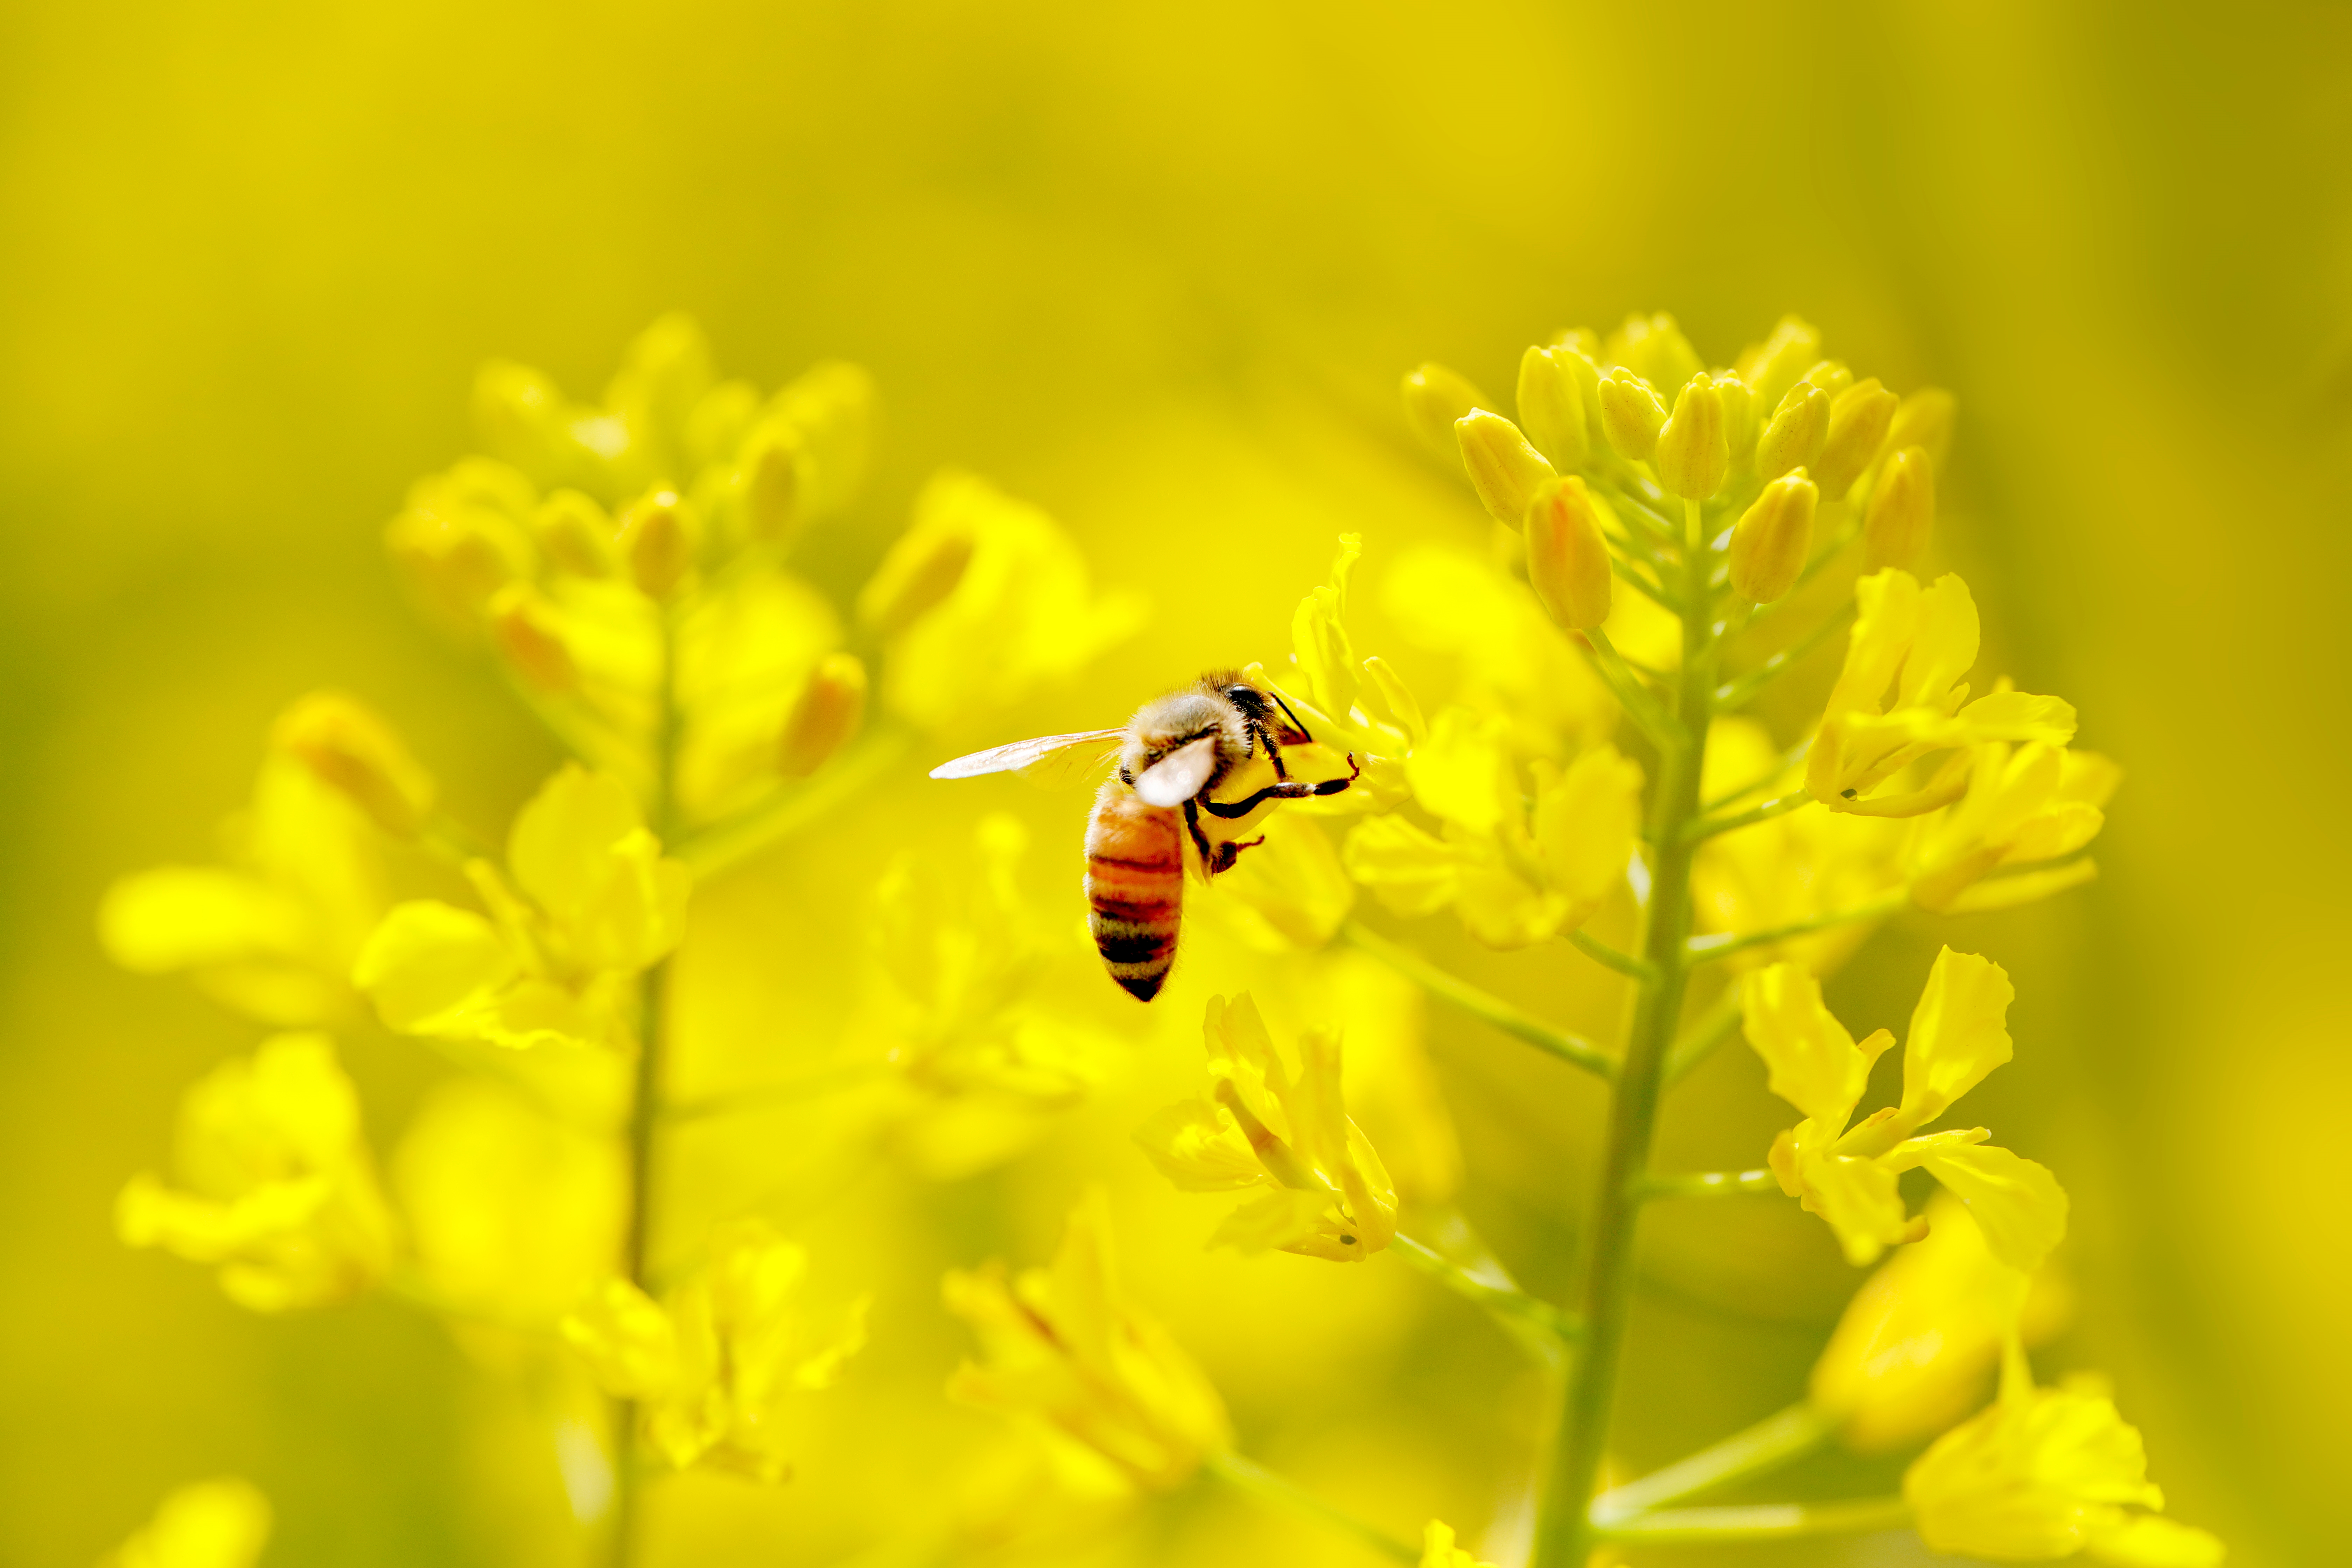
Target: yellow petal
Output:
{"points": [[1814, 1064], [627, 1341], [1586, 825], [429, 961], [2018, 1204], [2152, 1540], [1408, 869], [184, 917], [1460, 773], [1958, 1033], [1857, 1197], [221, 1523], [1199, 1147]]}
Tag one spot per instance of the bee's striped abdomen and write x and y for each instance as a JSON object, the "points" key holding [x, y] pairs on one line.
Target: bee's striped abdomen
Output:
{"points": [[1135, 884]]}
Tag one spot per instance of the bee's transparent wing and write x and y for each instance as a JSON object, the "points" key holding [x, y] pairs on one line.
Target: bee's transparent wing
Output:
{"points": [[1047, 759]]}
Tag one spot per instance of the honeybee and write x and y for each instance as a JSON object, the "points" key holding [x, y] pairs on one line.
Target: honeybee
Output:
{"points": [[1188, 784]]}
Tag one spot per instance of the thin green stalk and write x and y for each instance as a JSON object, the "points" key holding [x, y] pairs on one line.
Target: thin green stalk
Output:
{"points": [[1779, 1440], [1627, 572], [1763, 1522], [1619, 677], [791, 808], [1489, 1010], [1723, 945], [1248, 1476], [1564, 1532], [1705, 1035], [1734, 693], [644, 1106], [1536, 1322], [1708, 826], [1608, 957], [1758, 785], [760, 1097], [1710, 1184]]}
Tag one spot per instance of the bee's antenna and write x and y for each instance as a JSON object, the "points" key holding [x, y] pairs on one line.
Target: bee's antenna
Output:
{"points": [[1294, 724]]}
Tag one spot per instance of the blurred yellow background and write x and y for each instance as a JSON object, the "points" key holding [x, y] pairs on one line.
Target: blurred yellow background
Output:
{"points": [[1158, 271]]}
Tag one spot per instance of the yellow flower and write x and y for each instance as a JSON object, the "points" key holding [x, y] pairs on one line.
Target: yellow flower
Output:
{"points": [[594, 903], [355, 753], [1438, 1550], [1289, 894], [2044, 1473], [1065, 1352], [278, 1187], [1515, 872], [1788, 868], [1021, 612], [984, 1054], [1927, 639], [221, 1523], [1282, 1134], [2027, 809], [710, 1364], [1911, 1355], [272, 934], [1958, 1035]]}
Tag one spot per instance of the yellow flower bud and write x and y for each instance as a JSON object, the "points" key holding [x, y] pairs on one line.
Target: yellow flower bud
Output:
{"points": [[522, 625], [1772, 366], [356, 755], [768, 486], [1435, 398], [1773, 537], [1739, 413], [462, 536], [1858, 420], [1551, 406], [1653, 348], [1831, 375], [1691, 455], [1925, 419], [657, 541], [911, 582], [574, 534], [1902, 511], [1631, 414], [521, 415], [1794, 437], [1504, 470], [825, 717], [1567, 555]]}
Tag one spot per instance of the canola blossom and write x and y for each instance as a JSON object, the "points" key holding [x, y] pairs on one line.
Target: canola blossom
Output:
{"points": [[1592, 750]]}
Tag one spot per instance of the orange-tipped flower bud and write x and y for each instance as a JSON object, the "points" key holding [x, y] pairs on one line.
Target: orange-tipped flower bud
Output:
{"points": [[1567, 555], [1794, 437], [1692, 455], [1631, 414], [1901, 512], [658, 543], [1435, 399], [916, 578], [523, 626], [1773, 537], [1551, 406], [353, 753], [1858, 420], [1504, 470], [768, 486], [825, 718]]}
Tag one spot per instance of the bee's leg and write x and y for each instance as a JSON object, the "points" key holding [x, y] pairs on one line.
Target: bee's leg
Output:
{"points": [[1200, 839], [1293, 789], [1229, 853]]}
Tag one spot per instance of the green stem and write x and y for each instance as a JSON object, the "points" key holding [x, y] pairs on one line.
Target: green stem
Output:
{"points": [[1708, 826], [1608, 957], [644, 1106], [1627, 571], [1710, 1184], [1763, 1522], [1542, 1326], [1491, 1010], [1248, 1476], [1564, 1532], [1780, 1438], [1723, 945]]}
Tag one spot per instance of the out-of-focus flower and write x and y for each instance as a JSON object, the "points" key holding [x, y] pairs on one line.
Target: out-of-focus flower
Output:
{"points": [[1022, 611], [1435, 398], [1063, 1352], [464, 535], [277, 1186], [976, 1036], [1281, 1133], [1438, 1550], [273, 934], [751, 651], [2044, 1473], [1789, 868], [1515, 872], [1958, 1035], [1919, 643], [1912, 1354], [1654, 347], [221, 1523], [511, 1214], [711, 1365], [2007, 841], [355, 753], [593, 902], [1290, 893]]}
